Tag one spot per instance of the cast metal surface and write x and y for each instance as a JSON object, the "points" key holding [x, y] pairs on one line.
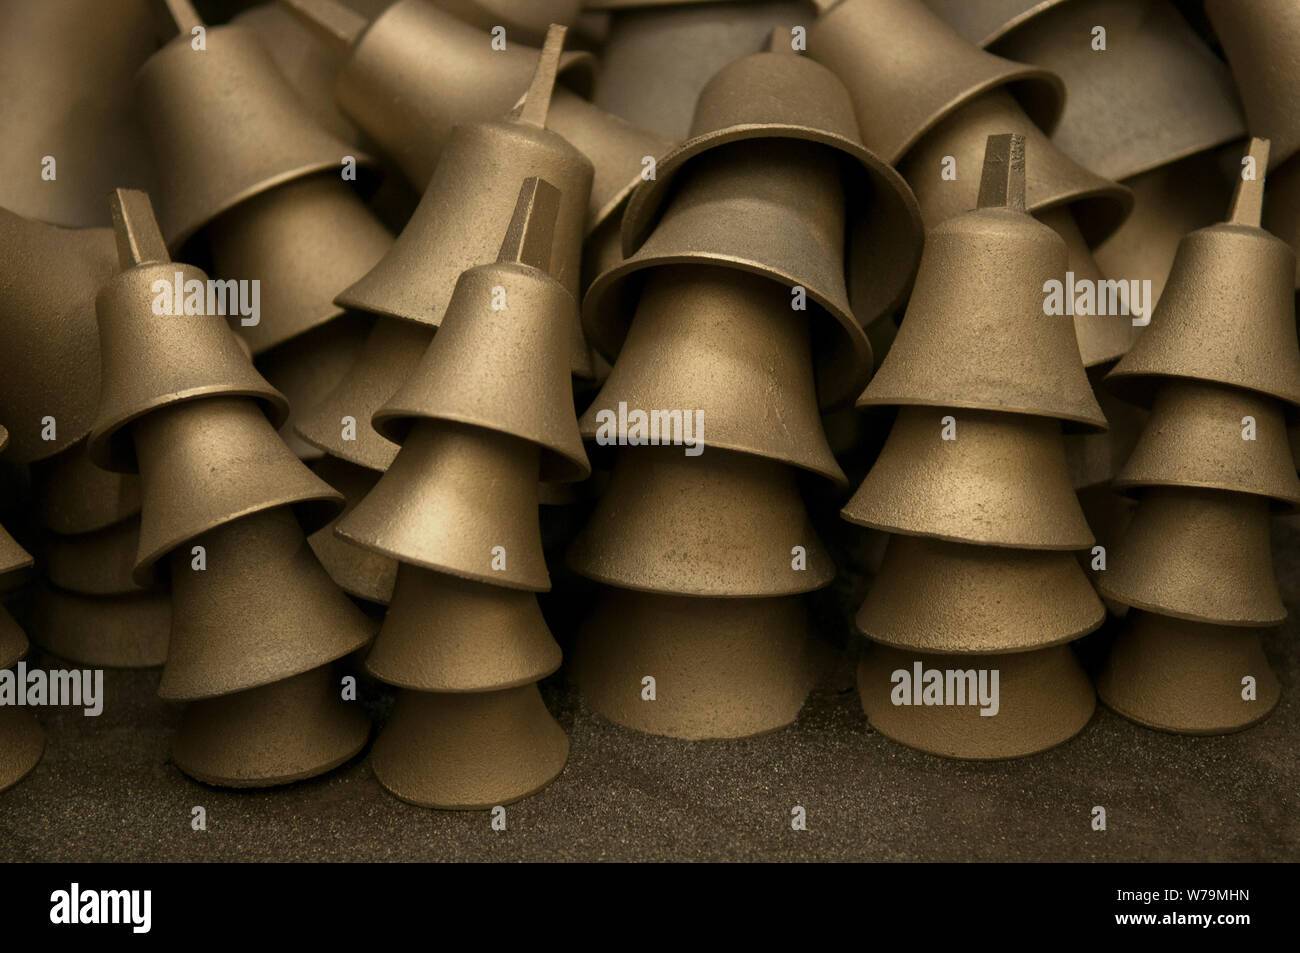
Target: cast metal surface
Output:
{"points": [[719, 524], [263, 610], [13, 640], [723, 668], [74, 496], [935, 596], [49, 366], [983, 21], [777, 95], [1096, 458], [1187, 677], [290, 730], [354, 569], [22, 742], [726, 344], [975, 334], [1155, 95], [521, 18], [444, 634], [94, 564], [1045, 699], [906, 70], [129, 631], [1282, 206], [1002, 482], [469, 751]]}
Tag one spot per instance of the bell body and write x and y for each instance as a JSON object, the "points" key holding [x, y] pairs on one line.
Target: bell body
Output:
{"points": [[129, 631]]}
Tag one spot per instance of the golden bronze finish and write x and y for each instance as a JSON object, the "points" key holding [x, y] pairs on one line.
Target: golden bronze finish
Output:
{"points": [[22, 742], [1282, 207], [13, 640], [287, 731], [456, 500], [777, 95], [719, 524], [354, 569], [469, 751], [94, 564], [725, 344], [1002, 482], [1196, 438], [74, 496], [779, 212], [1227, 314], [1261, 39], [1052, 178], [723, 668], [205, 463], [225, 125], [935, 596], [527, 19], [305, 241], [67, 94], [1200, 555], [1155, 95], [49, 366], [1045, 700], [975, 334], [263, 610], [129, 631], [1186, 677], [391, 352], [983, 21], [1096, 458], [444, 634], [904, 86]]}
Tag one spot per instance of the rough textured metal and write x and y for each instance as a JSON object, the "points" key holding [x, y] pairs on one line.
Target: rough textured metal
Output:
{"points": [[782, 96], [1169, 202], [934, 596], [444, 634], [1002, 482], [290, 730], [1109, 514], [263, 610], [1096, 458], [307, 368], [502, 369], [49, 365], [457, 500], [1282, 207], [906, 70], [1261, 39], [719, 524], [65, 91], [205, 463], [779, 212], [527, 19], [1045, 699], [304, 241], [1155, 95], [13, 640], [354, 569], [469, 751], [391, 352], [94, 564], [723, 668], [1102, 338], [726, 344], [72, 495], [1200, 555], [983, 21], [1052, 178], [224, 125], [103, 631], [415, 72], [21, 745], [1195, 437], [1187, 677], [975, 334], [1227, 314]]}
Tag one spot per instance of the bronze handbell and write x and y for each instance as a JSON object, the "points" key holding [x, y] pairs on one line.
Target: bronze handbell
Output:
{"points": [[1220, 367], [21, 739], [979, 580], [255, 619], [487, 412]]}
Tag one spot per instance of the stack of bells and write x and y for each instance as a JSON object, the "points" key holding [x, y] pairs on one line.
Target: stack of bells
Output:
{"points": [[21, 740], [487, 413], [974, 483], [245, 168], [1219, 366], [458, 225], [731, 308], [256, 620]]}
